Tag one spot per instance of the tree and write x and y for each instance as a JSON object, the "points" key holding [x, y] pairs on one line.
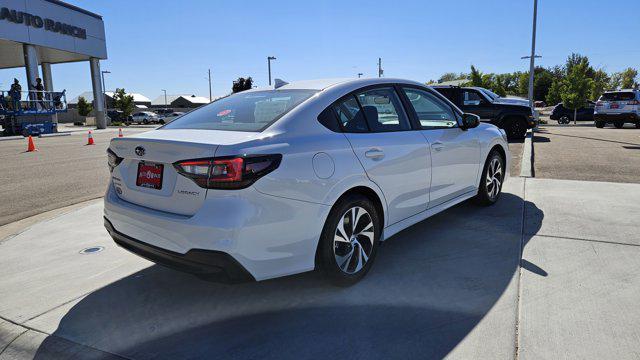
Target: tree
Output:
{"points": [[600, 84], [475, 77], [628, 78], [577, 59], [123, 102], [555, 92], [576, 88], [84, 107], [242, 84], [542, 83]]}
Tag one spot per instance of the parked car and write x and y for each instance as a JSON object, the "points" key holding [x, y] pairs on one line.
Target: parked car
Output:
{"points": [[513, 115], [267, 183], [618, 107], [117, 115], [167, 118], [564, 115], [145, 117]]}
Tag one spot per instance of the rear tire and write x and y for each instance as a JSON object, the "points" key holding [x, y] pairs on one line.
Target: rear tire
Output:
{"points": [[638, 125], [618, 124], [491, 181], [516, 128], [346, 251], [564, 120], [599, 124]]}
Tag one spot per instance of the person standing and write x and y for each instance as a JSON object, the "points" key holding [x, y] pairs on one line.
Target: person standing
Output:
{"points": [[39, 93], [16, 93]]}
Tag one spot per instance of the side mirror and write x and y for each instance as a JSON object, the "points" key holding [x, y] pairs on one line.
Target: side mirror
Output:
{"points": [[469, 121]]}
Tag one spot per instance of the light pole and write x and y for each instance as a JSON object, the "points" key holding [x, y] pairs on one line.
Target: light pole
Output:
{"points": [[165, 98], [359, 75], [104, 89], [380, 71], [533, 56], [269, 58], [209, 86]]}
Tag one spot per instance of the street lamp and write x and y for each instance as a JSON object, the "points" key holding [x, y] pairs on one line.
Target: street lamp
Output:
{"points": [[269, 58], [104, 89], [165, 98], [359, 75]]}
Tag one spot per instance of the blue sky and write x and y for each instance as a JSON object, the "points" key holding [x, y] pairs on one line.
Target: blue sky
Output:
{"points": [[154, 45]]}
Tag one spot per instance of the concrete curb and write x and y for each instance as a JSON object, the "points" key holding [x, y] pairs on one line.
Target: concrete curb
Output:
{"points": [[526, 166], [66, 133], [17, 137]]}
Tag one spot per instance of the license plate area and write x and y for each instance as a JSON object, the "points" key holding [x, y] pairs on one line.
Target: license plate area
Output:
{"points": [[615, 106], [149, 175]]}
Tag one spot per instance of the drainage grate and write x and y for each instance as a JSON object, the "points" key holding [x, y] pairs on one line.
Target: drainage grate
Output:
{"points": [[91, 250]]}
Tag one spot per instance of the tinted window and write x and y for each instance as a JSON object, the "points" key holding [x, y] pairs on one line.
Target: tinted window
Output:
{"points": [[245, 111], [350, 116], [431, 112], [471, 97], [618, 96], [383, 110], [449, 93]]}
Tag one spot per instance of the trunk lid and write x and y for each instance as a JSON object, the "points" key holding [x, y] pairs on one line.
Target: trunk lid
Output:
{"points": [[157, 151]]}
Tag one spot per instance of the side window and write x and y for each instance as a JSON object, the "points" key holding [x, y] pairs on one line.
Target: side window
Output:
{"points": [[350, 116], [383, 110], [431, 112], [471, 97]]}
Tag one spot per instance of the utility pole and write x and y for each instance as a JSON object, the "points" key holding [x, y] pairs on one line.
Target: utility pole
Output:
{"points": [[210, 97], [104, 89], [165, 98], [380, 71], [360, 75], [533, 53], [269, 58]]}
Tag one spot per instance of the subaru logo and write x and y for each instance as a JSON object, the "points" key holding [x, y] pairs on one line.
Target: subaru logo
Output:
{"points": [[139, 151]]}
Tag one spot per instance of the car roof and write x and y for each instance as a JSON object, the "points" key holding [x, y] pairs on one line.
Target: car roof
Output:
{"points": [[322, 84]]}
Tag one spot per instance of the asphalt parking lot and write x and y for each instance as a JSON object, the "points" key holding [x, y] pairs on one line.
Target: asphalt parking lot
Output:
{"points": [[63, 172], [452, 286], [584, 152]]}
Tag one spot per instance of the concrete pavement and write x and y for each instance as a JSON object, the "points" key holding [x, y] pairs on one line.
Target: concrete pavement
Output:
{"points": [[63, 172], [450, 286]]}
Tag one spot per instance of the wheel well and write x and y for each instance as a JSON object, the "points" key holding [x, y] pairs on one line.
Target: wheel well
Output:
{"points": [[500, 151], [369, 193]]}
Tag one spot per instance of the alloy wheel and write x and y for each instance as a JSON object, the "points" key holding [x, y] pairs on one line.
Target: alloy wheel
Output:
{"points": [[353, 240], [494, 178]]}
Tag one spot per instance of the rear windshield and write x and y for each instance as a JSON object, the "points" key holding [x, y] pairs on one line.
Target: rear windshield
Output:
{"points": [[617, 96], [245, 111]]}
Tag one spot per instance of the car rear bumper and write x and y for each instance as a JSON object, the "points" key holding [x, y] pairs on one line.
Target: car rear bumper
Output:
{"points": [[629, 117], [208, 264], [268, 236]]}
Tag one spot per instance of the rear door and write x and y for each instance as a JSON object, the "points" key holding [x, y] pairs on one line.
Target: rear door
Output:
{"points": [[455, 153], [394, 156]]}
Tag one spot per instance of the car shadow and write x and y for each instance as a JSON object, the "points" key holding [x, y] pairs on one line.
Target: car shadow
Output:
{"points": [[430, 286], [541, 139]]}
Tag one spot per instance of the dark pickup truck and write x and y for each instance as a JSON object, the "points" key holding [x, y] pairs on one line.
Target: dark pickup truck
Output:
{"points": [[512, 115]]}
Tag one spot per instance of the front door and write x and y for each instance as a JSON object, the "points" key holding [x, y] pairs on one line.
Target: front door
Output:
{"points": [[476, 103], [394, 156], [455, 153]]}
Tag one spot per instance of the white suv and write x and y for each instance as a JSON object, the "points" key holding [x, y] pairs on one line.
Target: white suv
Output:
{"points": [[272, 182], [618, 107], [145, 117]]}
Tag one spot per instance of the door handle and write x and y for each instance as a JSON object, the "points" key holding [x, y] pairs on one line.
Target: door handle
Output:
{"points": [[437, 146], [374, 154]]}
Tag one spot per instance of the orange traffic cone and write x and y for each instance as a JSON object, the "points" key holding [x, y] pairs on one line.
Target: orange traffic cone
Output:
{"points": [[120, 133], [90, 139], [31, 146]]}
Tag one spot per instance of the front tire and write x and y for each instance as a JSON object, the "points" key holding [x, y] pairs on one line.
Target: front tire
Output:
{"points": [[349, 240], [599, 124], [564, 120], [516, 128], [491, 181]]}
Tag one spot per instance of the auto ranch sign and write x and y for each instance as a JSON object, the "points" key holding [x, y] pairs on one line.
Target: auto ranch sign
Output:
{"points": [[20, 17]]}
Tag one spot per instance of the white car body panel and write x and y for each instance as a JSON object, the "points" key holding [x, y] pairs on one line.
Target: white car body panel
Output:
{"points": [[272, 228]]}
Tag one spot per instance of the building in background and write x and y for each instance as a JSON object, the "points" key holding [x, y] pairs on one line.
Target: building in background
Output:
{"points": [[40, 33], [139, 100], [179, 101]]}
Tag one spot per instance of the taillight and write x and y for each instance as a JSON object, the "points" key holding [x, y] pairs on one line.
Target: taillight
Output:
{"points": [[599, 104], [235, 172], [113, 160]]}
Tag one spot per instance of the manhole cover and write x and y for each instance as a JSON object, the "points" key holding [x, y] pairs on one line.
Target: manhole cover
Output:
{"points": [[91, 250]]}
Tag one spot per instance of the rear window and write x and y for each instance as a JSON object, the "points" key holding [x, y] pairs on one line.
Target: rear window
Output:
{"points": [[245, 111], [618, 96]]}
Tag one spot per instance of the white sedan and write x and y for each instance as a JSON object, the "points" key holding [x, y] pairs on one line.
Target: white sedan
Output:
{"points": [[308, 175]]}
